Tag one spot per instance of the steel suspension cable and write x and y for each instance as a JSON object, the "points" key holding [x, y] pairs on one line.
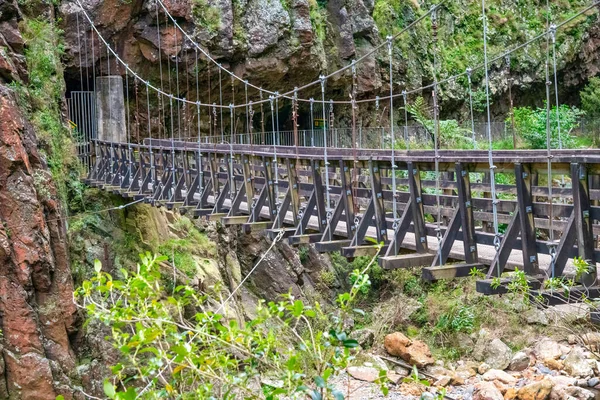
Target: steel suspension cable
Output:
{"points": [[469, 71], [436, 137], [221, 104], [406, 138], [565, 22], [492, 167], [275, 161], [326, 161], [393, 139], [151, 159], [287, 94], [199, 161]]}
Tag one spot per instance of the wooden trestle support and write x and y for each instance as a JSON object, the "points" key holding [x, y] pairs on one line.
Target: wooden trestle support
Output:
{"points": [[245, 191]]}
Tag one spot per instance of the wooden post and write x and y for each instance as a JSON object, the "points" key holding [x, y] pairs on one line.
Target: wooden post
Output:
{"points": [[525, 205], [467, 221], [416, 202], [583, 221], [377, 193]]}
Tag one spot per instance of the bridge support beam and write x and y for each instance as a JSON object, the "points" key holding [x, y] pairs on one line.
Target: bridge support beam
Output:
{"points": [[110, 109]]}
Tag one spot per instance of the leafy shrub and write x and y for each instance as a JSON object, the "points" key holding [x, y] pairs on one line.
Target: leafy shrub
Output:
{"points": [[206, 15], [590, 98], [530, 125], [318, 20], [450, 135], [459, 319], [178, 346]]}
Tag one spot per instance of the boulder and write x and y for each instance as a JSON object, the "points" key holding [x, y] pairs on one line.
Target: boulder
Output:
{"points": [[556, 365], [499, 375], [415, 352], [511, 394], [591, 338], [367, 374], [487, 391], [483, 368], [519, 362], [539, 390], [577, 364], [364, 337], [536, 316], [443, 381], [498, 355], [571, 393], [547, 348]]}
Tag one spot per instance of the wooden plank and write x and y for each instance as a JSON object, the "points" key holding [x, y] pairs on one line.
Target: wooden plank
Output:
{"points": [[525, 206], [332, 224], [406, 260], [400, 233], [319, 195], [248, 179], [282, 212], [583, 221], [432, 274], [565, 246], [287, 232], [348, 198], [365, 222], [448, 240], [377, 196], [256, 226], [364, 250], [234, 210], [234, 220], [467, 221], [334, 245], [270, 185], [294, 190], [304, 239], [414, 186], [506, 246], [216, 216], [575, 294]]}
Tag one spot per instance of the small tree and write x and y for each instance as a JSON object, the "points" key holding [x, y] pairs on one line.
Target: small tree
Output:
{"points": [[175, 345], [530, 125], [590, 98], [451, 135]]}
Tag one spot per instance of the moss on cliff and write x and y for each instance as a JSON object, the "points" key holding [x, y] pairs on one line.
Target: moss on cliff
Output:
{"points": [[42, 99]]}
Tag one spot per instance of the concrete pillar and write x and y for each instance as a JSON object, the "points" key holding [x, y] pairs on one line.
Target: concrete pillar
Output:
{"points": [[110, 109]]}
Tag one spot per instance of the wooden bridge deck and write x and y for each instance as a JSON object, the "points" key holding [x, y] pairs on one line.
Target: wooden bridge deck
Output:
{"points": [[290, 190]]}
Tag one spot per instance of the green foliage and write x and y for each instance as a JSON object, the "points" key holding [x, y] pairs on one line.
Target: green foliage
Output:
{"points": [[178, 346], [303, 253], [530, 125], [461, 43], [206, 15], [458, 319], [318, 20], [590, 98], [582, 267], [414, 377], [451, 135], [476, 273], [42, 98]]}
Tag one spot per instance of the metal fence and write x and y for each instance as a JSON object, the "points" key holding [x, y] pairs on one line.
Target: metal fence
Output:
{"points": [[82, 120]]}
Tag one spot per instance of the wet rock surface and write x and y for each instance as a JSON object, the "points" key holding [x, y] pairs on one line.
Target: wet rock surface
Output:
{"points": [[38, 313]]}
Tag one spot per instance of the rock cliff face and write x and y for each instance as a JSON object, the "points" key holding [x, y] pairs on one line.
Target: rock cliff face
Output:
{"points": [[277, 44], [37, 314]]}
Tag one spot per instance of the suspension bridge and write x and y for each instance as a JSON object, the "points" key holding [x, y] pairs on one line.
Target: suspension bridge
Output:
{"points": [[341, 190]]}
